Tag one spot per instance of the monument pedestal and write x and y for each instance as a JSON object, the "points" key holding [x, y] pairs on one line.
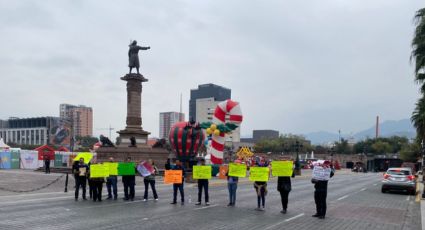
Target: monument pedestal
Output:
{"points": [[142, 151], [134, 112]]}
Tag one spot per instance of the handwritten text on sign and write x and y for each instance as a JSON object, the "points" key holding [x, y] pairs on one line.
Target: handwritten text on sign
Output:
{"points": [[202, 172], [259, 174], [113, 168], [173, 177], [237, 170], [99, 171], [282, 168], [321, 173]]}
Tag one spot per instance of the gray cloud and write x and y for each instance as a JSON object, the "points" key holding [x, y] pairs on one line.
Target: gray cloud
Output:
{"points": [[295, 66]]}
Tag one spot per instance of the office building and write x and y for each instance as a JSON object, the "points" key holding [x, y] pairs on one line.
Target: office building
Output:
{"points": [[257, 135], [166, 121], [36, 131], [218, 93], [81, 118]]}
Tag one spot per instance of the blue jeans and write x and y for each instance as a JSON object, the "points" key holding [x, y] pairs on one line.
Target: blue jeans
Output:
{"points": [[232, 192], [112, 182], [181, 189]]}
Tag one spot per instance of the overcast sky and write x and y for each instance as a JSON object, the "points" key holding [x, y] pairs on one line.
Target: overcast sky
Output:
{"points": [[295, 66]]}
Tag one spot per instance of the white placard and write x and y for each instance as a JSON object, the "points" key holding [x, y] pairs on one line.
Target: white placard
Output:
{"points": [[321, 173]]}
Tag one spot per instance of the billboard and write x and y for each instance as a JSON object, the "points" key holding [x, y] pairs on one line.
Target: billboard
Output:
{"points": [[60, 132]]}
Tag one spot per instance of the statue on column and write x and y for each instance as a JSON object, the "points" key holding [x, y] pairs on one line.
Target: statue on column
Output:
{"points": [[133, 55]]}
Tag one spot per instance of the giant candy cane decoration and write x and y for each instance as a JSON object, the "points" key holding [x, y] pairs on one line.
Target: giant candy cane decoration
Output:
{"points": [[235, 116]]}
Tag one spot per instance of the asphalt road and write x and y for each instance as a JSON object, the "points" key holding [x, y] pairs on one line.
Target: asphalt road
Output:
{"points": [[354, 202]]}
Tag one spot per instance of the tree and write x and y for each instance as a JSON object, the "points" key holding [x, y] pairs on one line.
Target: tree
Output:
{"points": [[283, 144], [418, 45], [343, 147], [418, 55], [381, 147], [410, 152]]}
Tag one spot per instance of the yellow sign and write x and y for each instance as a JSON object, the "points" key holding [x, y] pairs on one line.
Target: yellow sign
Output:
{"points": [[202, 171], [113, 168], [282, 168], [173, 177], [237, 170], [86, 156], [259, 174], [98, 171]]}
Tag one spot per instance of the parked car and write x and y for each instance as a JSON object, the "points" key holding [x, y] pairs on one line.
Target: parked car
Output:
{"points": [[399, 179]]}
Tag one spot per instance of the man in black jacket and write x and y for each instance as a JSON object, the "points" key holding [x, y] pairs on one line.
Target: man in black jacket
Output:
{"points": [[129, 182], [203, 184], [81, 170], [320, 193], [179, 187]]}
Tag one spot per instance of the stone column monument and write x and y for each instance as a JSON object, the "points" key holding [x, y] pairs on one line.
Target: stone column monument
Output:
{"points": [[133, 140], [134, 113]]}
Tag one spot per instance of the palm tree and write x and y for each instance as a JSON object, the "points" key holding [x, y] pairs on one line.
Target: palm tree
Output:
{"points": [[418, 119], [418, 45]]}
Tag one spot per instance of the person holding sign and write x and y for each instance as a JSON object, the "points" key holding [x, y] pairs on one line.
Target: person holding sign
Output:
{"points": [[322, 171], [203, 184], [111, 181], [232, 185], [150, 179], [129, 182], [283, 181], [82, 170], [261, 188], [97, 180], [179, 187]]}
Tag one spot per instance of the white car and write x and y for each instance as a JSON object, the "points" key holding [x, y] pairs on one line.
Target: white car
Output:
{"points": [[400, 179]]}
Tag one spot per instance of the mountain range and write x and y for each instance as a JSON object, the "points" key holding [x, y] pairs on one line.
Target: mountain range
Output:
{"points": [[387, 128]]}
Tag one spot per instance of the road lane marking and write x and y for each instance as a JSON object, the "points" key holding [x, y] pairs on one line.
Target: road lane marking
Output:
{"points": [[295, 217], [375, 184], [408, 198], [284, 221], [363, 189], [343, 197], [210, 206]]}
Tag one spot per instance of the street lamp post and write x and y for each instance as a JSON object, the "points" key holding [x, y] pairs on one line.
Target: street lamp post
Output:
{"points": [[297, 146]]}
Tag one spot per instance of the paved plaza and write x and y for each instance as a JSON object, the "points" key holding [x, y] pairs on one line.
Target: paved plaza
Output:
{"points": [[354, 202]]}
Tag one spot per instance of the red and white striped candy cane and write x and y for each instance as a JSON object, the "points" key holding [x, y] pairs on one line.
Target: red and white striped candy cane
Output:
{"points": [[235, 116]]}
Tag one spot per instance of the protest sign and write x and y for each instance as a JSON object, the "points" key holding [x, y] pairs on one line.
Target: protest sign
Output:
{"points": [[126, 169], [86, 156], [143, 171], [282, 168], [99, 171], [148, 167], [259, 174], [223, 171], [237, 170], [321, 173], [113, 168], [202, 171], [173, 177]]}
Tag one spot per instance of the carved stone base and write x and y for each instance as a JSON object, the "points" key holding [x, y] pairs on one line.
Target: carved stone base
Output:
{"points": [[140, 135], [158, 155]]}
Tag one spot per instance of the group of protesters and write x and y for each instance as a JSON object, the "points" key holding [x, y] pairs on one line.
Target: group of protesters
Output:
{"points": [[82, 175]]}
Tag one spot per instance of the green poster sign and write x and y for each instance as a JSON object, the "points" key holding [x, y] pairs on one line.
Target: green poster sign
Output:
{"points": [[126, 169]]}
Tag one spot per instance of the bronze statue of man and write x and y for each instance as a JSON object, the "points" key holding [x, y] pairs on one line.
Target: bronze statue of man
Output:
{"points": [[133, 55]]}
